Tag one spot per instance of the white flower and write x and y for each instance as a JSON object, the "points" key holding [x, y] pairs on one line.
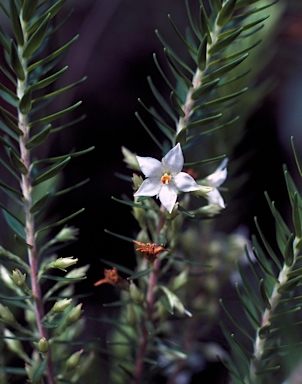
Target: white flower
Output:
{"points": [[215, 180], [164, 179]]}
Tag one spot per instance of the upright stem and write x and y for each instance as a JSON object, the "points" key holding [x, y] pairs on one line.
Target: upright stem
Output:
{"points": [[274, 299], [150, 299], [26, 187]]}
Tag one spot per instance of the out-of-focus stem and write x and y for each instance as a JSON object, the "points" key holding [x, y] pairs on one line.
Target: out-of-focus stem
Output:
{"points": [[150, 299], [274, 299]]}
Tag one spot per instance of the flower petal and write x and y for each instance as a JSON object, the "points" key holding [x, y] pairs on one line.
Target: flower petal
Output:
{"points": [[174, 160], [216, 178], [149, 187], [215, 198], [168, 196], [150, 167], [185, 183]]}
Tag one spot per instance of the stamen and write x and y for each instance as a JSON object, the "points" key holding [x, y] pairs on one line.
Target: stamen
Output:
{"points": [[166, 178]]}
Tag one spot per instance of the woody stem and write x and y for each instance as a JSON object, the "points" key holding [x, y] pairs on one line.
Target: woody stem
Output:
{"points": [[150, 300]]}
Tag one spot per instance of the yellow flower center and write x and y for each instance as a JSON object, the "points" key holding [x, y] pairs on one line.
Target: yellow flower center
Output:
{"points": [[166, 178]]}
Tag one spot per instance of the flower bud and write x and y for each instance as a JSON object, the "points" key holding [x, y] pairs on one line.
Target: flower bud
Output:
{"points": [[137, 181], [18, 277], [6, 315], [63, 262], [12, 342], [73, 360], [207, 211], [130, 159], [67, 234], [136, 294], [61, 305], [43, 345], [74, 314]]}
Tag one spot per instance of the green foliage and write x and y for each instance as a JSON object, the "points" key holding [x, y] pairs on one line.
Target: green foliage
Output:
{"points": [[171, 301], [33, 293], [276, 306]]}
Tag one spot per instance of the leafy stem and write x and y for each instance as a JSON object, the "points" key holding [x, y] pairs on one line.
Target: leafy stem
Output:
{"points": [[273, 301], [188, 106], [150, 301], [26, 187]]}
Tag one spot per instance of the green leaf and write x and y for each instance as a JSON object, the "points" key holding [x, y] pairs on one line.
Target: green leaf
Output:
{"points": [[234, 320], [69, 189], [193, 22], [296, 215], [28, 9], [5, 254], [39, 370], [176, 69], [15, 23], [180, 35], [25, 102], [163, 74], [223, 43], [8, 95], [10, 124], [204, 89], [53, 10], [249, 308], [17, 163], [265, 331], [39, 204], [11, 189], [289, 251], [264, 294], [51, 172], [54, 116], [118, 303], [13, 370], [205, 25], [36, 39], [139, 274], [21, 241], [59, 91], [175, 103], [120, 267], [226, 12], [15, 62], [161, 100], [64, 279], [62, 221], [289, 285], [14, 222], [63, 157], [296, 156], [174, 301], [225, 98], [202, 53], [48, 80], [202, 122], [267, 245], [52, 56], [226, 68], [155, 117], [39, 138]]}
